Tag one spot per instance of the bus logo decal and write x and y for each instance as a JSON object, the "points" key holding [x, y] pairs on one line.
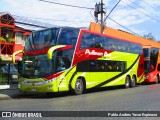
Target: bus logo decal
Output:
{"points": [[93, 52]]}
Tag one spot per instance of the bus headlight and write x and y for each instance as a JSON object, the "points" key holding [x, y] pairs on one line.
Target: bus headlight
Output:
{"points": [[14, 76]]}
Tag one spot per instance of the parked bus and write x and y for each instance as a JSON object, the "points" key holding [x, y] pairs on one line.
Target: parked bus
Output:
{"points": [[73, 59], [150, 48], [151, 64]]}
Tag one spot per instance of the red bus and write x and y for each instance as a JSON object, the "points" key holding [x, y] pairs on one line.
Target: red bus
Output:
{"points": [[151, 64]]}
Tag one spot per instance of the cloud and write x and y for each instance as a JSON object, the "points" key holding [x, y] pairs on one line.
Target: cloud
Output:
{"points": [[80, 17], [68, 16], [39, 9]]}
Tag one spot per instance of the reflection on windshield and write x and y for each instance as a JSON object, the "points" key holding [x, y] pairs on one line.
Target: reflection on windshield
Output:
{"points": [[68, 36], [41, 39], [33, 66]]}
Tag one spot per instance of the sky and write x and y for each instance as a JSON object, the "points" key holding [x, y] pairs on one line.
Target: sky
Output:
{"points": [[139, 16]]}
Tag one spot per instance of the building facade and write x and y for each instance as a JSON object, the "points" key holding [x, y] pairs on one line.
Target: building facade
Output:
{"points": [[12, 37]]}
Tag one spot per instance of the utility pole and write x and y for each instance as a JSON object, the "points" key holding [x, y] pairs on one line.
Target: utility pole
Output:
{"points": [[102, 21], [99, 9]]}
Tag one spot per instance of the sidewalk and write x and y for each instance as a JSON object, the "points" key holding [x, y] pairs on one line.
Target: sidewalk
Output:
{"points": [[10, 93], [14, 93]]}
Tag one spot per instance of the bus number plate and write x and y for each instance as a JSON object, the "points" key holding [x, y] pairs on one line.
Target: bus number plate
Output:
{"points": [[33, 89]]}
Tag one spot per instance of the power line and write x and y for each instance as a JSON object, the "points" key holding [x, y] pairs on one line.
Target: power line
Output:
{"points": [[92, 9], [66, 4], [141, 7], [141, 12], [123, 26], [112, 10], [151, 6]]}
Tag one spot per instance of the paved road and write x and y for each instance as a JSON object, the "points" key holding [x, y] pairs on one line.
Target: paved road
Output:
{"points": [[141, 98]]}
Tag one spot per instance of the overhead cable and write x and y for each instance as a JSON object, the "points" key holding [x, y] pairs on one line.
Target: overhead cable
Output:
{"points": [[65, 4]]}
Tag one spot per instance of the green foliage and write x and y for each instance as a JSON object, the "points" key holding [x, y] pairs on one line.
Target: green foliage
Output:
{"points": [[10, 36], [149, 36], [2, 39]]}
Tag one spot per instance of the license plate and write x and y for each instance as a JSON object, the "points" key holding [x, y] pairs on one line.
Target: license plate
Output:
{"points": [[33, 89], [14, 76]]}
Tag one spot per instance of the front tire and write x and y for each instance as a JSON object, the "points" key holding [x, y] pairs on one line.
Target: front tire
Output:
{"points": [[79, 87]]}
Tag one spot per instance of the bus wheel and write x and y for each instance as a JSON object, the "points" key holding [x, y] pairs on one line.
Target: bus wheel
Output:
{"points": [[79, 87], [156, 80], [127, 82], [133, 81]]}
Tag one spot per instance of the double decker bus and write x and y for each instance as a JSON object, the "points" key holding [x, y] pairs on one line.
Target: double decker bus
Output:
{"points": [[151, 64], [74, 59]]}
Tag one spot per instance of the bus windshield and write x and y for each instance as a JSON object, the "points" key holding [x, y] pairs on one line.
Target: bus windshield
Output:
{"points": [[36, 66], [50, 37], [42, 39]]}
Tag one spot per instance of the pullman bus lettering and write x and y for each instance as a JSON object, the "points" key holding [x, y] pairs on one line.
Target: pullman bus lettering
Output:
{"points": [[93, 52]]}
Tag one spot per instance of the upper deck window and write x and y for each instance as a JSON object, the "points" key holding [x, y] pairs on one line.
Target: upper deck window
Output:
{"points": [[68, 36], [90, 40], [42, 39]]}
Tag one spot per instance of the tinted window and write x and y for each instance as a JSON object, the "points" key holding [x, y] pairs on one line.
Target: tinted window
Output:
{"points": [[41, 39], [68, 36], [115, 66], [92, 41], [64, 59], [96, 41], [153, 57], [101, 66], [36, 66], [146, 66], [146, 52], [158, 67]]}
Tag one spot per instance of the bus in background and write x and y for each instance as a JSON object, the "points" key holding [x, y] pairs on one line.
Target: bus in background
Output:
{"points": [[73, 59], [151, 64]]}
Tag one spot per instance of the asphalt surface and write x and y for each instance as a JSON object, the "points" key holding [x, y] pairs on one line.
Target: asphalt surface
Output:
{"points": [[141, 98]]}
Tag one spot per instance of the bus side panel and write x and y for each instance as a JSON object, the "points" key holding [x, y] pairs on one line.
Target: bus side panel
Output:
{"points": [[66, 78]]}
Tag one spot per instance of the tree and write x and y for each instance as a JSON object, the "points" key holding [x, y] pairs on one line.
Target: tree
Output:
{"points": [[149, 36]]}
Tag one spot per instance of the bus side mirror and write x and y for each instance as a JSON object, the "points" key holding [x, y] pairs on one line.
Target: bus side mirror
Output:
{"points": [[14, 55], [52, 49], [60, 47]]}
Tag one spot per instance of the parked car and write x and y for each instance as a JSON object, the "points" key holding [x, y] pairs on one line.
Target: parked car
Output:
{"points": [[13, 73]]}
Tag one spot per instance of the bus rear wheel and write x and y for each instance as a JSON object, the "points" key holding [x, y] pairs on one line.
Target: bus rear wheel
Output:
{"points": [[133, 81], [156, 80], [127, 82], [79, 87]]}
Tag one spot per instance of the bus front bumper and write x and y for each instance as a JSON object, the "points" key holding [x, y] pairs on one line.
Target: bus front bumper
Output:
{"points": [[46, 86]]}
